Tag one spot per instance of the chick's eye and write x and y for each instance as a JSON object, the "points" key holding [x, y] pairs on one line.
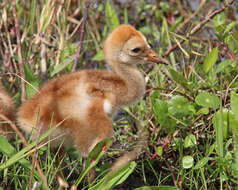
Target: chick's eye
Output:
{"points": [[136, 50]]}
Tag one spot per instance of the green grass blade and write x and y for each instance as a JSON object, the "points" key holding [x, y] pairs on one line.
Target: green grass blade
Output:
{"points": [[93, 158], [112, 180], [25, 151], [7, 149]]}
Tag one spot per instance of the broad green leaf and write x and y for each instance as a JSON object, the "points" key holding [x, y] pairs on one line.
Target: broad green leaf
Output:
{"points": [[161, 110], [206, 99], [111, 16], [179, 106], [157, 188], [203, 110], [219, 134], [201, 163], [33, 83], [219, 19], [120, 176], [113, 179], [190, 141], [234, 104], [6, 148], [99, 56], [210, 60], [187, 162], [235, 161], [228, 119]]}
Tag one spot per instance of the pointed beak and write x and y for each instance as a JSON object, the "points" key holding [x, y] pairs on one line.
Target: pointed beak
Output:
{"points": [[153, 57]]}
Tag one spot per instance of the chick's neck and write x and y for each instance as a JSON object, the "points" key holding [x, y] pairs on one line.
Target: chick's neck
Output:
{"points": [[134, 80]]}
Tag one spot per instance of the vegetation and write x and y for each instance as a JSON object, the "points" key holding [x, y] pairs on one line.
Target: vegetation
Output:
{"points": [[190, 110]]}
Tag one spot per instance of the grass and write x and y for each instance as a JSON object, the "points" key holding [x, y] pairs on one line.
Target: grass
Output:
{"points": [[189, 112]]}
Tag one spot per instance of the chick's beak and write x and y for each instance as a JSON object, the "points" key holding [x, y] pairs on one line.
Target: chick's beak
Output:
{"points": [[153, 57]]}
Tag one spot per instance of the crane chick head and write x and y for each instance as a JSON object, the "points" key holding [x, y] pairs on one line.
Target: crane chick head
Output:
{"points": [[127, 45]]}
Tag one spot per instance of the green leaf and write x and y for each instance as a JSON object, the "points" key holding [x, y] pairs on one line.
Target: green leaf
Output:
{"points": [[99, 56], [7, 149], [93, 158], [228, 121], [125, 15], [206, 99], [187, 162], [222, 67], [97, 150], [211, 149], [113, 179], [202, 163], [33, 83], [159, 150], [203, 110], [190, 141], [219, 134], [66, 59], [219, 19], [154, 96], [210, 60], [234, 104], [179, 106], [26, 151], [111, 17], [145, 30], [219, 23], [229, 27], [235, 160], [179, 78], [120, 176], [58, 68], [157, 188], [161, 110]]}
